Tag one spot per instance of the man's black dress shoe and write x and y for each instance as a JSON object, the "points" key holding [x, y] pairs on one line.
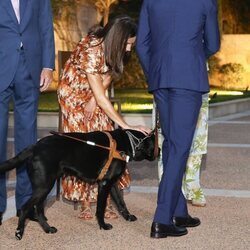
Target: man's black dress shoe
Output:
{"points": [[187, 221], [159, 230], [1, 217]]}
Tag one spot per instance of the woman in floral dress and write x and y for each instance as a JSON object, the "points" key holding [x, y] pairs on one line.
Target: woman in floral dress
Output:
{"points": [[82, 97]]}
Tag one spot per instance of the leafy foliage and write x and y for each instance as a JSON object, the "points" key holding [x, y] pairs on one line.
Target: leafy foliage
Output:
{"points": [[231, 74], [128, 7], [236, 14], [213, 65], [133, 76]]}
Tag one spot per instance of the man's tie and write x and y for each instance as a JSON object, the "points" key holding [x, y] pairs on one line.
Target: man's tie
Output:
{"points": [[15, 4]]}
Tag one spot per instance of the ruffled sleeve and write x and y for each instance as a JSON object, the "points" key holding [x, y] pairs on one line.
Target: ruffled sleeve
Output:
{"points": [[92, 57]]}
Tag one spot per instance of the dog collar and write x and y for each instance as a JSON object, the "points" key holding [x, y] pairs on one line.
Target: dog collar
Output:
{"points": [[134, 141]]}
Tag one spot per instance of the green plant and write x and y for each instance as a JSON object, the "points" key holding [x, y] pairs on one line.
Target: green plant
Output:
{"points": [[231, 75], [213, 65], [127, 7]]}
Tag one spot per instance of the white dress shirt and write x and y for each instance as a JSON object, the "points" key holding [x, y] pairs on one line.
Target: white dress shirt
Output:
{"points": [[15, 4]]}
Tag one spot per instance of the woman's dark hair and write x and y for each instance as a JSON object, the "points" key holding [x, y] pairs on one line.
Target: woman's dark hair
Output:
{"points": [[115, 35]]}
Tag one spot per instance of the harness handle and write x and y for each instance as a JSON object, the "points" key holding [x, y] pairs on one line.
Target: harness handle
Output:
{"points": [[77, 139]]}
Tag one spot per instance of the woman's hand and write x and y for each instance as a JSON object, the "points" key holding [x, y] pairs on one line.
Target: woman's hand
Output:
{"points": [[96, 84], [90, 109], [143, 129]]}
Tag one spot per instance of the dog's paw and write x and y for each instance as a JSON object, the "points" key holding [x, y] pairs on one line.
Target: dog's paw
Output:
{"points": [[18, 234], [52, 230], [131, 217], [106, 226]]}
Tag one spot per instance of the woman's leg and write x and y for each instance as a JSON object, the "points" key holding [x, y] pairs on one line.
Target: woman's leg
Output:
{"points": [[191, 181]]}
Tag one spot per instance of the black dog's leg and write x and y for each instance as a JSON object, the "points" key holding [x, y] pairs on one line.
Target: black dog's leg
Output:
{"points": [[40, 209], [37, 196], [21, 224], [121, 205], [103, 192], [28, 206], [42, 219]]}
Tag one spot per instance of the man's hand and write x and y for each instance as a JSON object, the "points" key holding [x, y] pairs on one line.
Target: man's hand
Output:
{"points": [[45, 79]]}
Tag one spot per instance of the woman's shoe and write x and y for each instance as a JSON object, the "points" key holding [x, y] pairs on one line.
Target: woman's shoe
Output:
{"points": [[110, 213], [198, 203], [86, 213], [196, 197]]}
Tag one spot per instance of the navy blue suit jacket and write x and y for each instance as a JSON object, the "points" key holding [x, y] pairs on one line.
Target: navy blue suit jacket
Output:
{"points": [[174, 40], [35, 31]]}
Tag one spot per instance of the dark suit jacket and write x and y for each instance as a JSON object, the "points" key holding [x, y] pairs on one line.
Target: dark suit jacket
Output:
{"points": [[174, 40], [35, 31]]}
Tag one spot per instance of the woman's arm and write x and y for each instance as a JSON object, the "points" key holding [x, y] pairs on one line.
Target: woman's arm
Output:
{"points": [[91, 105], [106, 81], [97, 86]]}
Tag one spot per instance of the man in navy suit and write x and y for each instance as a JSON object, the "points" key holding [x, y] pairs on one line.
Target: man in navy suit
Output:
{"points": [[27, 61], [174, 40]]}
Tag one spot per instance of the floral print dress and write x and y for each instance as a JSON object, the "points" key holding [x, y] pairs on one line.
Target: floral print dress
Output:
{"points": [[191, 181], [74, 92]]}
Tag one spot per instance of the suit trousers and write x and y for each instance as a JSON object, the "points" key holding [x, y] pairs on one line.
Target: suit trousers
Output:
{"points": [[24, 94], [178, 113]]}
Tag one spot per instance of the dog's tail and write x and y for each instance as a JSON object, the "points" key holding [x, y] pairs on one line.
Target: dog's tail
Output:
{"points": [[16, 161]]}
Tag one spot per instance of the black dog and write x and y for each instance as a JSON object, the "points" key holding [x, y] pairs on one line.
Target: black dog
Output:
{"points": [[90, 156]]}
